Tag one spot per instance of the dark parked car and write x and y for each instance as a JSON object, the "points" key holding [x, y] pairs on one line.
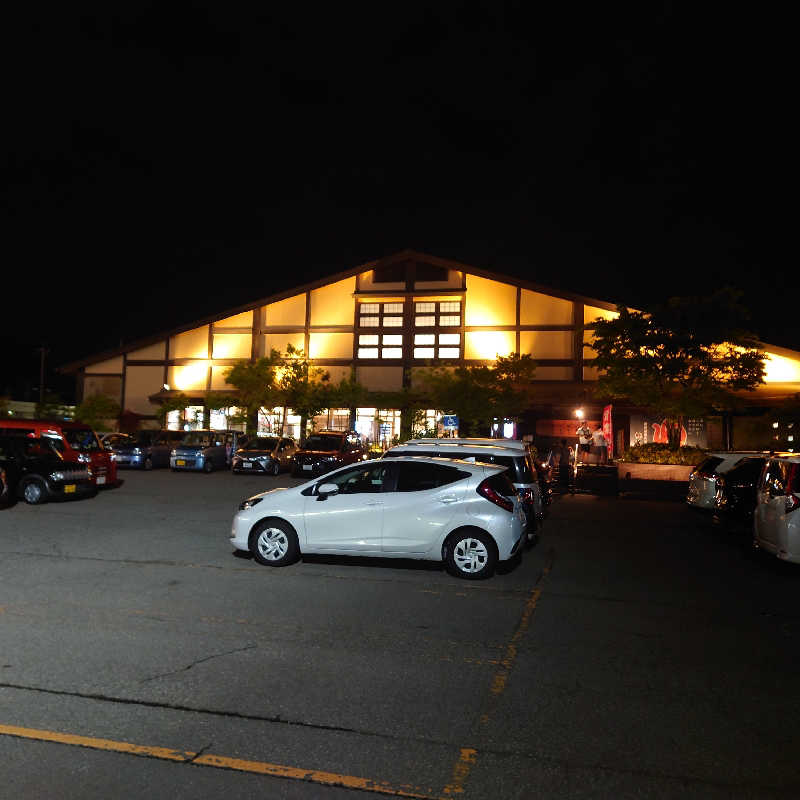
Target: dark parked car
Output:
{"points": [[270, 454], [143, 449], [38, 472], [205, 450], [736, 493], [9, 478], [327, 450]]}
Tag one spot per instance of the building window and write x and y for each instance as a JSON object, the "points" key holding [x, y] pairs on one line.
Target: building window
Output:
{"points": [[423, 352], [424, 322], [437, 315], [380, 344]]}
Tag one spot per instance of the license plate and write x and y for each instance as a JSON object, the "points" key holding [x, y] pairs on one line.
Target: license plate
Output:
{"points": [[69, 488], [101, 480], [180, 462], [309, 467], [247, 465]]}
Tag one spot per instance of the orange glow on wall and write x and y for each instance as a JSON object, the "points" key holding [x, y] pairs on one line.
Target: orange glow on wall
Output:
{"points": [[188, 376], [488, 345], [490, 302], [779, 369]]}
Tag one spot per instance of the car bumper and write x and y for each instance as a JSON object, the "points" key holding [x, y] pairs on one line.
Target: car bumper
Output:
{"points": [[191, 463], [57, 492], [250, 466], [130, 461]]}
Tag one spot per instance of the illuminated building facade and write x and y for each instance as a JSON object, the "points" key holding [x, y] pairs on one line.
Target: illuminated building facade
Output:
{"points": [[383, 322]]}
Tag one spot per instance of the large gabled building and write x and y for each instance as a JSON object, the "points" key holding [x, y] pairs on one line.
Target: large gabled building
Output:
{"points": [[385, 321]]}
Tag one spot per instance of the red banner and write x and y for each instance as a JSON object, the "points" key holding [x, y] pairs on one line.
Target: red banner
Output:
{"points": [[608, 431]]}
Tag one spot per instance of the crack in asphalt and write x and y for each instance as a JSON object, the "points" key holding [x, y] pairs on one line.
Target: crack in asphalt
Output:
{"points": [[499, 752], [198, 661]]}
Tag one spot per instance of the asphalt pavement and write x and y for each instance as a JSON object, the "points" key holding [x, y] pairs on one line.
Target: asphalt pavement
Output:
{"points": [[636, 651]]}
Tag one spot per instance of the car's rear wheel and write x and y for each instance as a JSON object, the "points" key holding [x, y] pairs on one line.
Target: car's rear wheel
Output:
{"points": [[471, 554], [148, 463], [34, 491], [273, 543]]}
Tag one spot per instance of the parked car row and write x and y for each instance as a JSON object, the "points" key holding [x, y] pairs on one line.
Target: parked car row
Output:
{"points": [[757, 491]]}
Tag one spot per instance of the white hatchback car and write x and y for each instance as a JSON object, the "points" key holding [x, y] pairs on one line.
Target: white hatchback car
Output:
{"points": [[776, 523], [464, 514]]}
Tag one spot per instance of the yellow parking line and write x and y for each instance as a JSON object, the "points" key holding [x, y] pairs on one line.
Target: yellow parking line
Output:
{"points": [[220, 762]]}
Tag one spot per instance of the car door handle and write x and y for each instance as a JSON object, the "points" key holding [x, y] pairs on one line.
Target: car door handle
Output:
{"points": [[374, 503], [448, 498]]}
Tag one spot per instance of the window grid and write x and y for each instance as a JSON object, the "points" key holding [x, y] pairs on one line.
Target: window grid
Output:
{"points": [[379, 317]]}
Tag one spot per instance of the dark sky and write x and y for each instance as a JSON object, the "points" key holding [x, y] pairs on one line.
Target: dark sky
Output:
{"points": [[164, 162]]}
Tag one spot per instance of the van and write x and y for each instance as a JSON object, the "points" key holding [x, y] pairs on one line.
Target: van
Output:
{"points": [[509, 453], [75, 441], [776, 526]]}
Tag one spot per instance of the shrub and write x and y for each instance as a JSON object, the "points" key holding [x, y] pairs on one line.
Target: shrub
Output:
{"points": [[663, 454]]}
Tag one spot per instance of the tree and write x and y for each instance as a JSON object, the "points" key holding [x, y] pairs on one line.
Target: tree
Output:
{"points": [[685, 357], [96, 410], [303, 388], [479, 394], [257, 387]]}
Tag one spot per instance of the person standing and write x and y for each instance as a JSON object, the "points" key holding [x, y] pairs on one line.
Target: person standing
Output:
{"points": [[599, 442], [584, 434]]}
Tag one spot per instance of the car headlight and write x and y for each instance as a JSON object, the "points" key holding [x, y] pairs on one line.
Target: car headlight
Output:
{"points": [[249, 503], [84, 458], [137, 451], [57, 476], [173, 453]]}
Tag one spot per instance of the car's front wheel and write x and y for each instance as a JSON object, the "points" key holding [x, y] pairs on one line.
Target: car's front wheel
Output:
{"points": [[471, 554], [208, 466], [273, 543], [275, 468], [148, 463], [34, 492]]}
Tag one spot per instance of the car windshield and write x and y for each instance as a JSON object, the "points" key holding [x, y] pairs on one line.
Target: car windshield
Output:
{"points": [[119, 440], [197, 439], [260, 443], [321, 441], [82, 439]]}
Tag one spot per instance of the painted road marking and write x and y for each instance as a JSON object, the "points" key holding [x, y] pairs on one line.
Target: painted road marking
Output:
{"points": [[468, 756], [221, 762]]}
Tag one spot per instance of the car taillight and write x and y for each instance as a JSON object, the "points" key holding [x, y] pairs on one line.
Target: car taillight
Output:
{"points": [[485, 490], [792, 488]]}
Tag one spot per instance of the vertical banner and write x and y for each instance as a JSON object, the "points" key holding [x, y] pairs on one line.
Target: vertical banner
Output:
{"points": [[608, 431]]}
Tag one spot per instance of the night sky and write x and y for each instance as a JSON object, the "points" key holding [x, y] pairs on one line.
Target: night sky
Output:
{"points": [[166, 162]]}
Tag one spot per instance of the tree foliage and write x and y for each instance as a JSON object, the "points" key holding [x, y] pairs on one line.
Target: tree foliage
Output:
{"points": [[96, 410], [686, 357], [480, 393]]}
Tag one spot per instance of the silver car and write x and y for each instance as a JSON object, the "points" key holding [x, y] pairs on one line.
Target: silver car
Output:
{"points": [[265, 454]]}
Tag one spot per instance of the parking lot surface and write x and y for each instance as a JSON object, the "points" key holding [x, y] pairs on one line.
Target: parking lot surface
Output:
{"points": [[636, 651]]}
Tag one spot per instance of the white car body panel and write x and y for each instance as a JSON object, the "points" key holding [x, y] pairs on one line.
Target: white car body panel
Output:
{"points": [[403, 524]]}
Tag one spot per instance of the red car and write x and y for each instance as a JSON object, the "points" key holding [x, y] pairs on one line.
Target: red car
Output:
{"points": [[74, 440], [326, 450]]}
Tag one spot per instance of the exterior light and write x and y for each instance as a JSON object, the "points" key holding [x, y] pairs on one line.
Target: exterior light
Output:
{"points": [[774, 424], [166, 386], [579, 413]]}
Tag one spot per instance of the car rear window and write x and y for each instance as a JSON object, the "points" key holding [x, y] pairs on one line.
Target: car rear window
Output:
{"points": [[323, 442], [747, 470], [709, 464], [418, 477]]}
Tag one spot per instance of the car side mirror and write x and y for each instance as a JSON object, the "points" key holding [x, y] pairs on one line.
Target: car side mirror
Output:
{"points": [[325, 490]]}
